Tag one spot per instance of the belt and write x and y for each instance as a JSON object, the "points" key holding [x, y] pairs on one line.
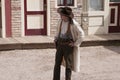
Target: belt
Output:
{"points": [[63, 43]]}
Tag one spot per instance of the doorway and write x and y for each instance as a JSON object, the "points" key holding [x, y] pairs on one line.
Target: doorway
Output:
{"points": [[114, 23], [35, 17]]}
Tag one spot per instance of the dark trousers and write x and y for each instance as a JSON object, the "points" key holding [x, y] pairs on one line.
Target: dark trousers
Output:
{"points": [[66, 52]]}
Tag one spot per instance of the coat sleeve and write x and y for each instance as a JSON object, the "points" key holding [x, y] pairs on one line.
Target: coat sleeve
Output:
{"points": [[57, 29], [79, 34]]}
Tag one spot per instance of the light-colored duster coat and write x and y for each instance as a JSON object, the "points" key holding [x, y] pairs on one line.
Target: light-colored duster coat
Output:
{"points": [[77, 34]]}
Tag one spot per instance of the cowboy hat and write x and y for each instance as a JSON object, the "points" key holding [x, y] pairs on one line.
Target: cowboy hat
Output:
{"points": [[66, 11]]}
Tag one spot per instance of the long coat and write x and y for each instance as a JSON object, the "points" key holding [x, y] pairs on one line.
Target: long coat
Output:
{"points": [[77, 34]]}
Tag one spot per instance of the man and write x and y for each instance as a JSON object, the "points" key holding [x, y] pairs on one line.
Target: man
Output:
{"points": [[68, 39]]}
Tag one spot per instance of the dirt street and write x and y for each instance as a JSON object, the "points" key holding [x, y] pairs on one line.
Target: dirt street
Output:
{"points": [[97, 63]]}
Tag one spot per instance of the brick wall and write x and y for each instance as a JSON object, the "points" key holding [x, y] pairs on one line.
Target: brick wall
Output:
{"points": [[54, 18], [16, 18]]}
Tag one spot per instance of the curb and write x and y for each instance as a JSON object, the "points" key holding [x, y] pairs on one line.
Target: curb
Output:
{"points": [[51, 45], [101, 43]]}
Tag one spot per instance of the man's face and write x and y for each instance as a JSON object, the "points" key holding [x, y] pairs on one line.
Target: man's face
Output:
{"points": [[63, 17]]}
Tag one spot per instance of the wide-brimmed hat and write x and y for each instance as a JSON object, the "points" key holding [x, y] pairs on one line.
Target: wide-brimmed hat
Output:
{"points": [[66, 11]]}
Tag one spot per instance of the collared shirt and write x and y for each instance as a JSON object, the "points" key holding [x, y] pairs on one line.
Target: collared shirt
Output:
{"points": [[64, 28]]}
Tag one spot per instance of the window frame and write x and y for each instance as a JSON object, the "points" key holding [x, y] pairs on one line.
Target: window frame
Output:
{"points": [[74, 4], [114, 1], [103, 6], [65, 3]]}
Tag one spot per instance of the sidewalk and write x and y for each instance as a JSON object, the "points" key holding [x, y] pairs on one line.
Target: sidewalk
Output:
{"points": [[43, 42]]}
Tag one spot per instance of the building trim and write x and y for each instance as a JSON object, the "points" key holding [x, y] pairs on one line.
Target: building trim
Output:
{"points": [[8, 18], [116, 14], [23, 20], [48, 17], [3, 19]]}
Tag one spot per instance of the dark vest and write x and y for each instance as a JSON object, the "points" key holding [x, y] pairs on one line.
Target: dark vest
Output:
{"points": [[66, 38]]}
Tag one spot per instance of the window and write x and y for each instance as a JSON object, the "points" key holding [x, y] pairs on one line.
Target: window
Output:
{"points": [[114, 0], [96, 5], [65, 2]]}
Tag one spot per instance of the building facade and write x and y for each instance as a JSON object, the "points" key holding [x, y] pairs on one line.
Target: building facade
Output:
{"points": [[20, 18], [114, 22]]}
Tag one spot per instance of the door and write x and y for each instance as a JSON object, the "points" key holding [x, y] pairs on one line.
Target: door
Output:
{"points": [[0, 20], [114, 24], [35, 17]]}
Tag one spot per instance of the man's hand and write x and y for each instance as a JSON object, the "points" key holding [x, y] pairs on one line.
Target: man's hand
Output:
{"points": [[71, 44]]}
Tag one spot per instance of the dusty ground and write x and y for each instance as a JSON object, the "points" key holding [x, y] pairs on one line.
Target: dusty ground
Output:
{"points": [[97, 63]]}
